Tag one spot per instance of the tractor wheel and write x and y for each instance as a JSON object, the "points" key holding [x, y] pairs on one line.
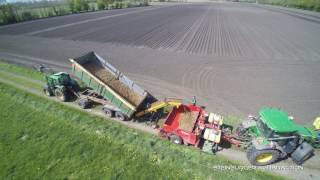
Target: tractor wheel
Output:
{"points": [[306, 157], [61, 95], [47, 91], [262, 157], [120, 116], [302, 153], [175, 139], [109, 113]]}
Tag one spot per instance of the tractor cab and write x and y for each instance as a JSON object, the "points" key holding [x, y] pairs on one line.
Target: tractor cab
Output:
{"points": [[274, 123], [61, 85], [59, 79]]}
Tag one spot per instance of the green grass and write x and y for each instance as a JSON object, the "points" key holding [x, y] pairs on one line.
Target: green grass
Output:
{"points": [[232, 120], [19, 12], [22, 76], [18, 80], [19, 70], [41, 139]]}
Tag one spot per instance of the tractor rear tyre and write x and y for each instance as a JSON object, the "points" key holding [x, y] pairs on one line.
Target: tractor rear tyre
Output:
{"points": [[262, 157], [61, 95], [175, 139], [47, 91]]}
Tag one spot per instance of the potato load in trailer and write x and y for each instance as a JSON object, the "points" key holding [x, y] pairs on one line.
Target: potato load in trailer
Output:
{"points": [[119, 95]]}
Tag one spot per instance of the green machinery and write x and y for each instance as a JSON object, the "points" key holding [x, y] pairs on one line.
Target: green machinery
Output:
{"points": [[58, 84], [274, 136]]}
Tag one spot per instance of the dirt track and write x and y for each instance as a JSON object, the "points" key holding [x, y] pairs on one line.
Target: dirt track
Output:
{"points": [[235, 58]]}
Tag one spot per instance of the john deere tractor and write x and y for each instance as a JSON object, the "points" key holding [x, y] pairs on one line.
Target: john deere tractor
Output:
{"points": [[274, 136], [61, 85], [58, 84]]}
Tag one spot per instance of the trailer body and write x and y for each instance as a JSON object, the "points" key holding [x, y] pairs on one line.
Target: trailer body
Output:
{"points": [[119, 91]]}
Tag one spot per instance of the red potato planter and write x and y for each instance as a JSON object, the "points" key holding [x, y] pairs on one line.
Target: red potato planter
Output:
{"points": [[191, 125]]}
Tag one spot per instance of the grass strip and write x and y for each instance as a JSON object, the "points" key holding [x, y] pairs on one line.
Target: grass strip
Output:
{"points": [[19, 70], [21, 81]]}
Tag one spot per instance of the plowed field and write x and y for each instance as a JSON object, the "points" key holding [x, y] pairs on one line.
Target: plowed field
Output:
{"points": [[235, 58]]}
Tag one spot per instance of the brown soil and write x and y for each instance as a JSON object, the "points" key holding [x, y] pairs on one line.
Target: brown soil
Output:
{"points": [[187, 120], [109, 79], [207, 49]]}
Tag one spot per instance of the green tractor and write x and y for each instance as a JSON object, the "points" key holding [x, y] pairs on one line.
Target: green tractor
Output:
{"points": [[58, 84], [274, 136]]}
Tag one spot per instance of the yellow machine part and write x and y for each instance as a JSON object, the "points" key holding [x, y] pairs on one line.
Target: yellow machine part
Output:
{"points": [[316, 123], [160, 104], [212, 135], [215, 118], [262, 158]]}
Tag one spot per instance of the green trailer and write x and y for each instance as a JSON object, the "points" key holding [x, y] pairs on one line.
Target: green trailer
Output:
{"points": [[119, 95]]}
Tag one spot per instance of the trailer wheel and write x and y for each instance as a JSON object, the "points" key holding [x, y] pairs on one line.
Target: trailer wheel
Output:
{"points": [[120, 116], [47, 91], [61, 95], [262, 157], [109, 113], [84, 103], [175, 139]]}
